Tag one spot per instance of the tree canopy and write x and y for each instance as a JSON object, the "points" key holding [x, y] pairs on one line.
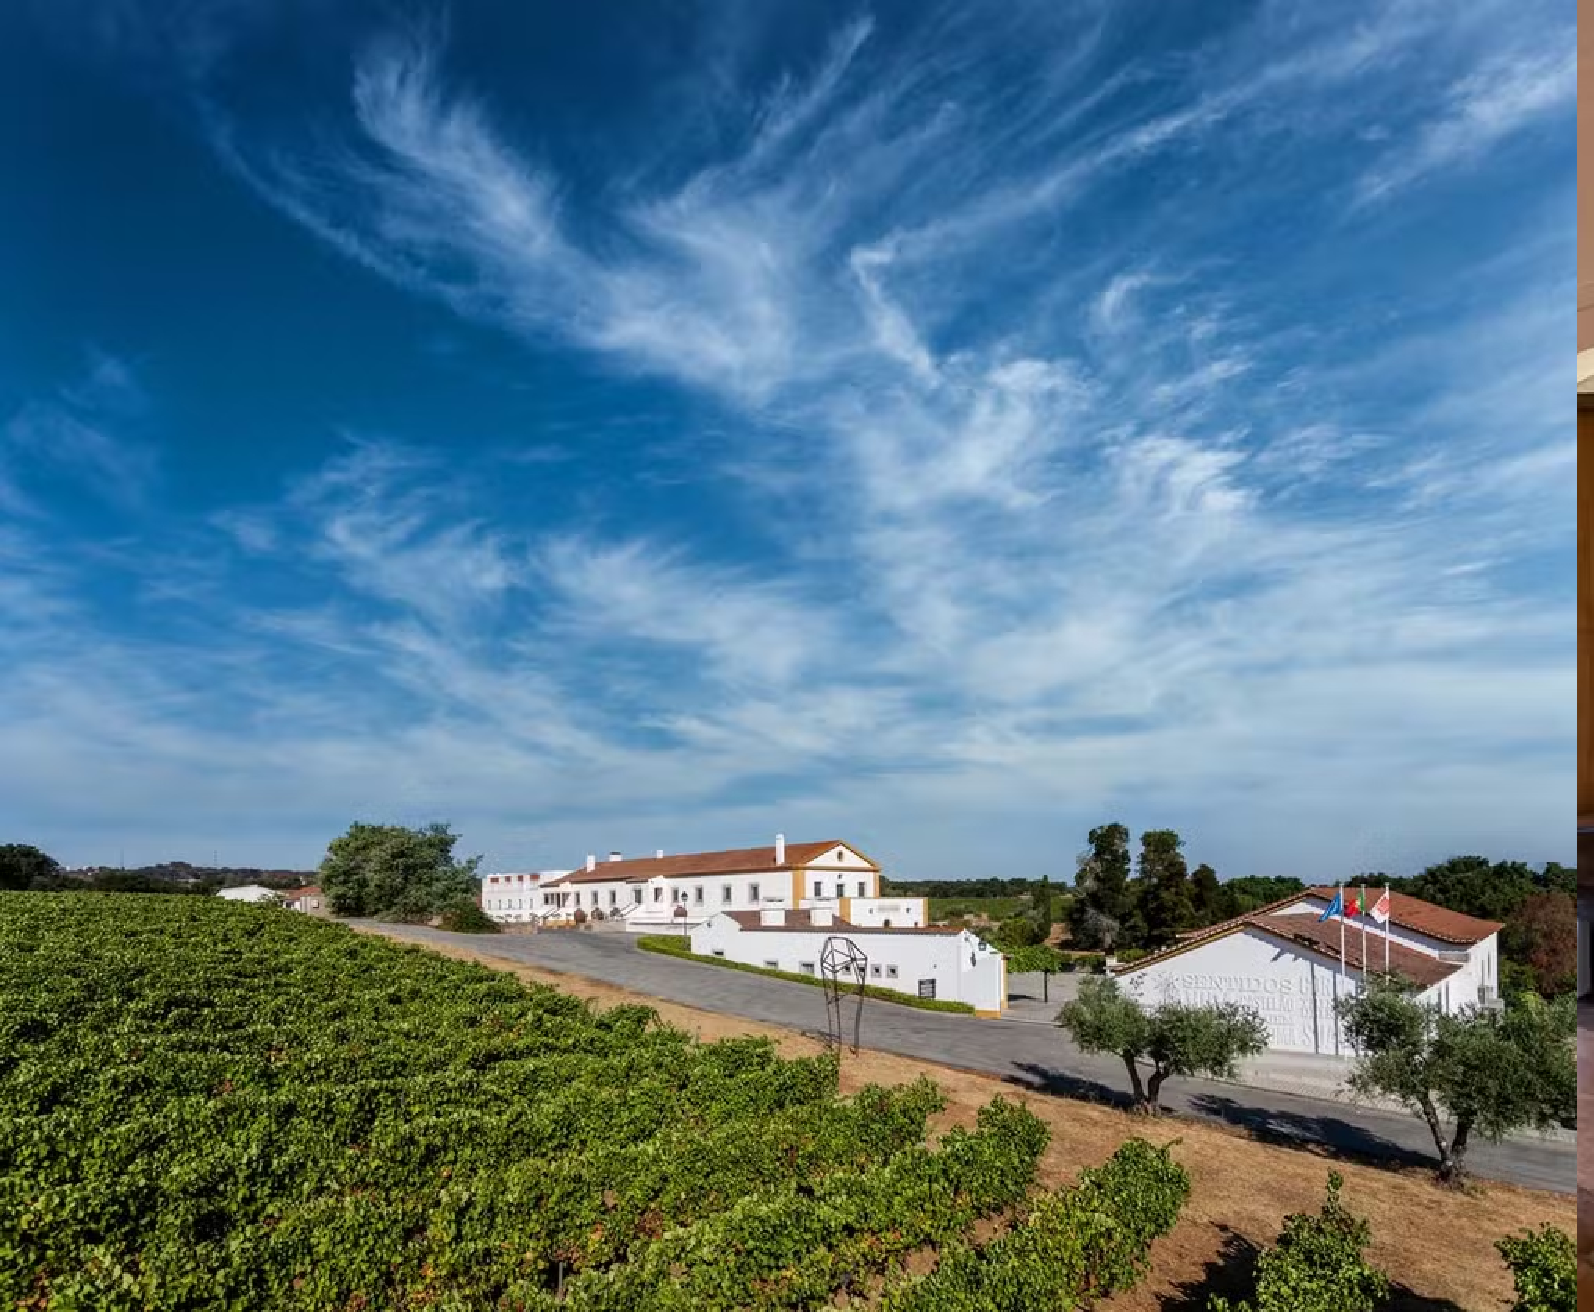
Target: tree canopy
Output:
{"points": [[1175, 1038], [396, 873], [22, 863], [1486, 1072]]}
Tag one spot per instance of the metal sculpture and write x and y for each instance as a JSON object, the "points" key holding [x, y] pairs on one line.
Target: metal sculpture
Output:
{"points": [[844, 968]]}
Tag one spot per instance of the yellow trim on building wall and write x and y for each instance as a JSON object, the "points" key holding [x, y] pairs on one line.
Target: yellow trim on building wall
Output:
{"points": [[987, 1015], [846, 908], [797, 886]]}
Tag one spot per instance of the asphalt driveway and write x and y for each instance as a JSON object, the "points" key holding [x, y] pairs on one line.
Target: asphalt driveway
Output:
{"points": [[1033, 1056]]}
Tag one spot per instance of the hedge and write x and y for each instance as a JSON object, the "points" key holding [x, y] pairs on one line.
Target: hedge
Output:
{"points": [[670, 945]]}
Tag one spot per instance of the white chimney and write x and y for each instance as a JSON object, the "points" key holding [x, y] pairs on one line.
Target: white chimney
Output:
{"points": [[780, 849], [659, 855], [614, 856], [772, 916], [592, 861]]}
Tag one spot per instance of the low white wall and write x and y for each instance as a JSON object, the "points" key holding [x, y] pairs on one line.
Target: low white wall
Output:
{"points": [[959, 966]]}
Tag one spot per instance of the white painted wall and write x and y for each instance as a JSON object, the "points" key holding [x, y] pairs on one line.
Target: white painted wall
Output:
{"points": [[963, 968], [1294, 990], [888, 912]]}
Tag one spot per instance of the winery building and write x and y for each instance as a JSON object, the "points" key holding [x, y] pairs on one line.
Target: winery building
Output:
{"points": [[1285, 961], [661, 894]]}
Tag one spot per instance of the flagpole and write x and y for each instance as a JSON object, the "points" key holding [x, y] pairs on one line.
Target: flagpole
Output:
{"points": [[1361, 914], [1342, 931], [1389, 921]]}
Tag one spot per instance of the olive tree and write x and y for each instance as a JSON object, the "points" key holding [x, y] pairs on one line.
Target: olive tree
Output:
{"points": [[1175, 1038], [1485, 1072]]}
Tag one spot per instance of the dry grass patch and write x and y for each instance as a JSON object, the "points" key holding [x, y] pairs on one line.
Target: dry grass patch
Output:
{"points": [[1437, 1245]]}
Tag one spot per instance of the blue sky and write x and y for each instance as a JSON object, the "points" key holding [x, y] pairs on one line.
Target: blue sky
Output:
{"points": [[945, 427]]}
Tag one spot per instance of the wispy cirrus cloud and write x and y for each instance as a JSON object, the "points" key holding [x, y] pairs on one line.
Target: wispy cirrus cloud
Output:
{"points": [[1047, 494]]}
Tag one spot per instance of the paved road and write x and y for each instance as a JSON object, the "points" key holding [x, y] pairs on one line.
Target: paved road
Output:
{"points": [[1029, 1055]]}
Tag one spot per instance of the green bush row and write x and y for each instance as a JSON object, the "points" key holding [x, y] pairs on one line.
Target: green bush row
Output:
{"points": [[1319, 1265], [671, 945], [1074, 1245]]}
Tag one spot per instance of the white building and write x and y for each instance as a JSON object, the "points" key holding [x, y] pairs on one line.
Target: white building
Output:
{"points": [[950, 964], [660, 893], [511, 897], [310, 900], [1285, 962], [250, 893]]}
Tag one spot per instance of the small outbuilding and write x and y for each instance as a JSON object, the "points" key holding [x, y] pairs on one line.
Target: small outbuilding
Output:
{"points": [[950, 964]]}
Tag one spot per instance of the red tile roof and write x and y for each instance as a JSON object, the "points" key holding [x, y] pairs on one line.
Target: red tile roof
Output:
{"points": [[736, 861], [1426, 918], [1323, 938]]}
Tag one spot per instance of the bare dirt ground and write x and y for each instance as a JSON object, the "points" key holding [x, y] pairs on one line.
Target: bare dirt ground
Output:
{"points": [[1436, 1245]]}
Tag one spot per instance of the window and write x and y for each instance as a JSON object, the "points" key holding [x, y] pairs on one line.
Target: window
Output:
{"points": [[752, 894], [613, 897], [697, 895], [874, 969], [841, 889], [926, 988], [658, 895], [725, 894], [805, 967], [891, 972], [818, 889], [719, 952], [772, 965], [861, 887]]}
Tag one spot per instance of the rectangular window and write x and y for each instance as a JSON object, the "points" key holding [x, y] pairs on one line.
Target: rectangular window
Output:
{"points": [[613, 897], [874, 969], [818, 889], [861, 887], [806, 967], [891, 972], [658, 895], [697, 894], [725, 894], [772, 965], [752, 894], [926, 988], [719, 952]]}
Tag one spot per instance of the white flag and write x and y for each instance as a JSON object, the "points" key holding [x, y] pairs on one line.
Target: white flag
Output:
{"points": [[1380, 909]]}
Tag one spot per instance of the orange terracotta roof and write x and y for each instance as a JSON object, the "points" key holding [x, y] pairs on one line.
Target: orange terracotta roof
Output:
{"points": [[1427, 918], [1323, 938], [736, 861]]}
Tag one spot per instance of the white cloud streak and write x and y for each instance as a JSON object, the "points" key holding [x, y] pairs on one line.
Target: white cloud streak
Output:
{"points": [[1129, 561]]}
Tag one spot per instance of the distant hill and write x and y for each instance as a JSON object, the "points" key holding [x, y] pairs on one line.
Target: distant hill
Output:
{"points": [[176, 877]]}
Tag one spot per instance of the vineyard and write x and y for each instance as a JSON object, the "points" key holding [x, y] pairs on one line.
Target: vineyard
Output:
{"points": [[215, 1105]]}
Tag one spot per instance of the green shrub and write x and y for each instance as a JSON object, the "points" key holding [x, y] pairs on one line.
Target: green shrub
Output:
{"points": [[1132, 954], [1075, 1245], [675, 945], [1543, 1268], [1317, 1265], [466, 917]]}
